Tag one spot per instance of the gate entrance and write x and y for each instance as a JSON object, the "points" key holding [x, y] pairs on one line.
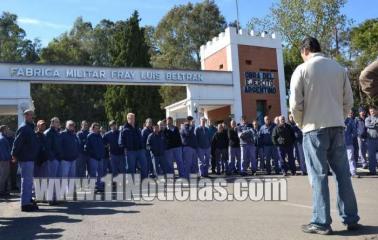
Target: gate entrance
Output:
{"points": [[238, 68]]}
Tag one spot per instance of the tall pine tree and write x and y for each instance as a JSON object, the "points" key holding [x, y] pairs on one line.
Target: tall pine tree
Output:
{"points": [[129, 49]]}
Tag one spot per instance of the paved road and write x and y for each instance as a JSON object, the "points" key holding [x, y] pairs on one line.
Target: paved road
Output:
{"points": [[188, 220]]}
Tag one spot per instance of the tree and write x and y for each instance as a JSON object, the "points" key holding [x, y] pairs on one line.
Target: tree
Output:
{"points": [[364, 48], [76, 102], [129, 49], [296, 19], [178, 38], [364, 41], [14, 47]]}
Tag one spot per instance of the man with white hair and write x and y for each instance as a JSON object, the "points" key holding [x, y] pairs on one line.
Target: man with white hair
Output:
{"points": [[70, 151], [131, 141], [283, 137]]}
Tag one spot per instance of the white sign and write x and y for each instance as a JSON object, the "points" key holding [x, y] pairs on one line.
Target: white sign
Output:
{"points": [[101, 75]]}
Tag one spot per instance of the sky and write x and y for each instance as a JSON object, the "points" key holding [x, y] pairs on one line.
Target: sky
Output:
{"points": [[46, 19]]}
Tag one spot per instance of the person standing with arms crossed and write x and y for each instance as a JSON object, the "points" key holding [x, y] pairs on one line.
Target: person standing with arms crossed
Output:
{"points": [[320, 100]]}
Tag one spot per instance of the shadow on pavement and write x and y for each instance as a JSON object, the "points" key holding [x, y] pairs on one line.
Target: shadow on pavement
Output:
{"points": [[91, 208], [365, 230], [232, 178], [32, 227]]}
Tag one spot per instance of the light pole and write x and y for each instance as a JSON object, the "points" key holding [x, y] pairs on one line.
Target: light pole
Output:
{"points": [[237, 16]]}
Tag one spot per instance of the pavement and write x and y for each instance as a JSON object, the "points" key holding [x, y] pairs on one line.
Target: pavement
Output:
{"points": [[189, 219]]}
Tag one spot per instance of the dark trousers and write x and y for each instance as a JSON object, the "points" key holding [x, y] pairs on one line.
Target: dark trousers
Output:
{"points": [[14, 179], [213, 160], [288, 151]]}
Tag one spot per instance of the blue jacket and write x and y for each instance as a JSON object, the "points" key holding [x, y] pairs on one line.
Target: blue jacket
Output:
{"points": [[70, 145], [361, 129], [95, 146], [203, 137], [42, 154], [82, 136], [111, 138], [371, 124], [156, 144], [188, 137], [297, 133], [26, 146], [212, 131], [4, 149], [53, 144], [130, 138], [10, 140], [266, 134], [348, 120], [145, 133], [350, 132]]}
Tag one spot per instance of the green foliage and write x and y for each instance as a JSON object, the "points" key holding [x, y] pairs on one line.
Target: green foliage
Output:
{"points": [[178, 38], [129, 49], [76, 102], [364, 49], [364, 41], [296, 19], [13, 45], [292, 58]]}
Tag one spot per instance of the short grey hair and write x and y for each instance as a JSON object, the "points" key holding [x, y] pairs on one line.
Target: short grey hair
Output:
{"points": [[70, 122]]}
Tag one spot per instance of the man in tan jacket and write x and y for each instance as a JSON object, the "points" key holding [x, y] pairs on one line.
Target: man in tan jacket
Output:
{"points": [[321, 98]]}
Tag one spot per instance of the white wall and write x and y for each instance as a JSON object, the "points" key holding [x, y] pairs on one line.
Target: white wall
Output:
{"points": [[15, 98]]}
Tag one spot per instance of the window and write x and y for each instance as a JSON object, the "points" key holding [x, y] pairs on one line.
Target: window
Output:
{"points": [[220, 66], [248, 62]]}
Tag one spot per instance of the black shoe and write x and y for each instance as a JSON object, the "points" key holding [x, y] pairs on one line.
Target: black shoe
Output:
{"points": [[212, 171], [293, 173], [304, 174], [29, 208], [311, 228], [354, 226], [5, 195], [99, 190]]}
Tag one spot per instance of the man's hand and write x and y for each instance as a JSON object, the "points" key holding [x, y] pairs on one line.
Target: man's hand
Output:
{"points": [[14, 159]]}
